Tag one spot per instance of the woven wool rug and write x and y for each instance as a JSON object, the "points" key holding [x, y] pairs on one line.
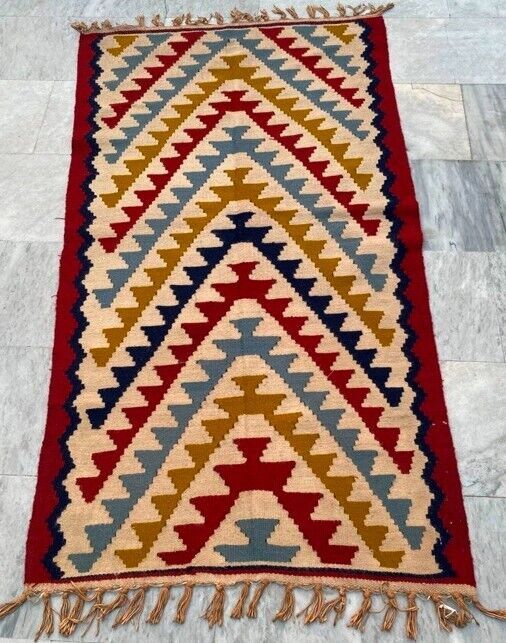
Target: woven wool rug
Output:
{"points": [[245, 386]]}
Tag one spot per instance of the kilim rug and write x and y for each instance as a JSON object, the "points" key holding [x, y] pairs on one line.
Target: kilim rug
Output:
{"points": [[245, 385]]}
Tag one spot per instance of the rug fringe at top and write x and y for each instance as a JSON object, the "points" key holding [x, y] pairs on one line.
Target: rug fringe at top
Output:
{"points": [[236, 16]]}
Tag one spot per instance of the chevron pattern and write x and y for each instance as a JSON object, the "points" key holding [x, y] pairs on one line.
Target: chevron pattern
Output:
{"points": [[242, 390]]}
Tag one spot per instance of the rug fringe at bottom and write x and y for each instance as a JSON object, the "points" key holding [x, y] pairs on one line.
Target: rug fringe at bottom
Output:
{"points": [[81, 608]]}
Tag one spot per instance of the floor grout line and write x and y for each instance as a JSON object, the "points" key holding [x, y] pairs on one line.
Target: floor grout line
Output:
{"points": [[43, 117]]}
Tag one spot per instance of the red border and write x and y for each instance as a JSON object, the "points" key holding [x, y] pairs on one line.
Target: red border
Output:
{"points": [[50, 460], [438, 437]]}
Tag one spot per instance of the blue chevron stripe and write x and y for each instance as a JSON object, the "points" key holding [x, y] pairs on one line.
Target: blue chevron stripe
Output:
{"points": [[134, 60], [247, 344], [166, 95], [276, 65], [309, 32], [288, 268], [238, 143]]}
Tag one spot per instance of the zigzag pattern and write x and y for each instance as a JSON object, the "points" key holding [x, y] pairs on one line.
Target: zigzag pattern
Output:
{"points": [[242, 363]]}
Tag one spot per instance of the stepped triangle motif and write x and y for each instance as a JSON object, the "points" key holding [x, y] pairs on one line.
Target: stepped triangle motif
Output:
{"points": [[258, 531], [245, 385]]}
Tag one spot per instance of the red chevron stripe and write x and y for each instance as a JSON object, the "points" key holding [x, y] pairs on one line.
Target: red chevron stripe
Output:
{"points": [[255, 475], [256, 289], [180, 47], [311, 63], [237, 103]]}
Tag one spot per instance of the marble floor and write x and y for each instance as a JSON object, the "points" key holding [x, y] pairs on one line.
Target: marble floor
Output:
{"points": [[448, 61]]}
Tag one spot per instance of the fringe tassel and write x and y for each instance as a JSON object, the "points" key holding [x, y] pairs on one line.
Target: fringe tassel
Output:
{"points": [[47, 624], [500, 614], [238, 611], [64, 611], [253, 606], [314, 610], [69, 622], [215, 609], [314, 12], [464, 616], [287, 608], [132, 609], [337, 604], [96, 611], [391, 613], [452, 610], [155, 616], [446, 615], [12, 606], [119, 601], [184, 604], [412, 617], [358, 620]]}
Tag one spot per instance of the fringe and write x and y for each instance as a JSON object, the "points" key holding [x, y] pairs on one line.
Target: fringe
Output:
{"points": [[12, 606], [69, 621], [132, 609], [127, 605], [337, 604], [184, 604], [412, 617], [391, 611], [47, 624], [500, 614], [155, 616], [288, 606], [314, 609], [236, 16], [358, 620], [238, 610], [215, 609], [252, 609]]}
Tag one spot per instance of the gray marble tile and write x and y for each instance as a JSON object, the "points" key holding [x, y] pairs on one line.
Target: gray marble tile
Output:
{"points": [[16, 493], [16, 497], [433, 121], [476, 47], [28, 282], [33, 188], [476, 401], [132, 8], [419, 9], [55, 135], [497, 262], [419, 50], [40, 7], [462, 301], [485, 107], [24, 381], [462, 8], [461, 204], [49, 53], [22, 108], [486, 518]]}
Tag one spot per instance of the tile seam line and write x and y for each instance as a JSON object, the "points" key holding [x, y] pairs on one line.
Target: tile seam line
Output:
{"points": [[46, 108]]}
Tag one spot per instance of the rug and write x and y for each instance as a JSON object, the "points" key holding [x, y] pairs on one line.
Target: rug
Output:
{"points": [[245, 386]]}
